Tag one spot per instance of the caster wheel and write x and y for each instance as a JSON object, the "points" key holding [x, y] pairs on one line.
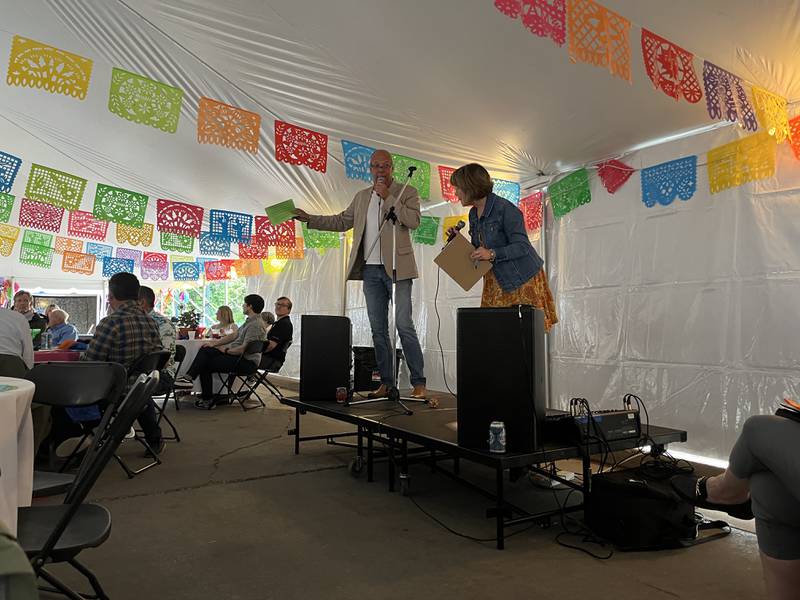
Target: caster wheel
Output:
{"points": [[356, 466]]}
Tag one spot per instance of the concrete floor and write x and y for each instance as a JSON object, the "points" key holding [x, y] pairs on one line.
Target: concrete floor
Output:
{"points": [[234, 514]]}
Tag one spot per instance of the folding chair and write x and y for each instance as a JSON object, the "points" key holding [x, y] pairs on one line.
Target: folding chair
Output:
{"points": [[241, 371], [156, 361], [12, 366], [180, 356], [73, 385], [266, 366], [152, 362], [58, 533]]}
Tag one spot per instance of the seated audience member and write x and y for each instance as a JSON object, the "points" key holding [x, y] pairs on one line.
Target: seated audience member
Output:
{"points": [[280, 333], [221, 356], [762, 481], [23, 303], [224, 325], [16, 358], [269, 320], [16, 346], [166, 330], [124, 336], [59, 328]]}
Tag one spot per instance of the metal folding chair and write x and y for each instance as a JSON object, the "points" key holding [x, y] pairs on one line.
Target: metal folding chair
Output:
{"points": [[149, 363], [241, 371], [58, 533], [73, 385], [180, 356], [266, 366]]}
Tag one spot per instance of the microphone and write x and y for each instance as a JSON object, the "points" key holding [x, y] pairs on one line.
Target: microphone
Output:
{"points": [[459, 226]]}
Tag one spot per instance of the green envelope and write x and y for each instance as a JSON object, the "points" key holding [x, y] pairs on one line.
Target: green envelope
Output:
{"points": [[281, 212]]}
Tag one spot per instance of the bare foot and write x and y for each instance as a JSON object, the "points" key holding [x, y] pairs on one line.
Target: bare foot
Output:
{"points": [[727, 489]]}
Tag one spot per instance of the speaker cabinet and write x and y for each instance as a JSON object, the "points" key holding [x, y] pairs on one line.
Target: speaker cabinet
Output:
{"points": [[325, 356], [500, 362]]}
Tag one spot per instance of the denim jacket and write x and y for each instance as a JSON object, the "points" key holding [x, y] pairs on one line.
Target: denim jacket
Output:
{"points": [[502, 228]]}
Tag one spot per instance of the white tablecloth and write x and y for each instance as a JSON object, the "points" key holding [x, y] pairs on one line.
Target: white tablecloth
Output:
{"points": [[16, 448], [192, 348]]}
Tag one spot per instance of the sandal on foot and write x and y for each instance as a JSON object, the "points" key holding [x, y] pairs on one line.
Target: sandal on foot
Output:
{"points": [[694, 491]]}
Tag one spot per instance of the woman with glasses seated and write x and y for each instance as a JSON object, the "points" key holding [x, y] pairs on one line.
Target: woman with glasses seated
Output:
{"points": [[224, 325], [497, 229]]}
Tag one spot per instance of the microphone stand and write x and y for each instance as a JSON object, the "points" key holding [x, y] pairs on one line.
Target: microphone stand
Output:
{"points": [[393, 393]]}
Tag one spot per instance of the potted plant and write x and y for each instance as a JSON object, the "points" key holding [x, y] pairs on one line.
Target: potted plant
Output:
{"points": [[188, 322]]}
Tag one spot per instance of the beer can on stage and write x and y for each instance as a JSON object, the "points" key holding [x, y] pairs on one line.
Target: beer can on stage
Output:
{"points": [[497, 437], [341, 395]]}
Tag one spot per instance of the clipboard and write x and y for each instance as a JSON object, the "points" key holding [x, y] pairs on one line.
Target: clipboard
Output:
{"points": [[455, 261]]}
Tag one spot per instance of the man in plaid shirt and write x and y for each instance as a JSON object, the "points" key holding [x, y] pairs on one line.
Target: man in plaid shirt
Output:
{"points": [[124, 336]]}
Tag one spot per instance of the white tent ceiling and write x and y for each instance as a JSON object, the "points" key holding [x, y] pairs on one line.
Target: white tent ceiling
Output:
{"points": [[448, 81]]}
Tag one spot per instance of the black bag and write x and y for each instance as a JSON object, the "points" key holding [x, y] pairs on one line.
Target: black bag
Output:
{"points": [[634, 512]]}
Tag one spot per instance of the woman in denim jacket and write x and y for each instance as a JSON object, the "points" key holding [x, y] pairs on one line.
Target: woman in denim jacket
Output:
{"points": [[497, 229]]}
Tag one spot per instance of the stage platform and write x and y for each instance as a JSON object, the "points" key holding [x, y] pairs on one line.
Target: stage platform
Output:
{"points": [[429, 435]]}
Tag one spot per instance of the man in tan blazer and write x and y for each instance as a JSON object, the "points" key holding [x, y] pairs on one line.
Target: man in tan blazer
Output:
{"points": [[365, 215]]}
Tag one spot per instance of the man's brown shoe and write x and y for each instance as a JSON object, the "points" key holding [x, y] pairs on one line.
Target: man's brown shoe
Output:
{"points": [[381, 392], [419, 392]]}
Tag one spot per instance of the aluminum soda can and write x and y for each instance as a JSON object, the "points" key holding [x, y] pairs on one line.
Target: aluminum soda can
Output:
{"points": [[497, 437]]}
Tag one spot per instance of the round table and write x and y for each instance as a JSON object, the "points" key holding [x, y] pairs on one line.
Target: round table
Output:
{"points": [[192, 348], [16, 448]]}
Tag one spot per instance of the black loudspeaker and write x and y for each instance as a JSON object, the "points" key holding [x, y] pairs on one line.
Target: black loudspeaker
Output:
{"points": [[325, 356], [500, 362], [636, 512]]}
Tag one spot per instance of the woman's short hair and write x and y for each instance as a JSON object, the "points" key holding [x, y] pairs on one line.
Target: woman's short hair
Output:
{"points": [[60, 312], [268, 317], [473, 180], [226, 314]]}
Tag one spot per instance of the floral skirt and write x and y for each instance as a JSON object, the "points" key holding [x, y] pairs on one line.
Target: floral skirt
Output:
{"points": [[535, 291]]}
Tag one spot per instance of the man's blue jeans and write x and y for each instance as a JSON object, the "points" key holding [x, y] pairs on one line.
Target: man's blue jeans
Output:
{"points": [[378, 292]]}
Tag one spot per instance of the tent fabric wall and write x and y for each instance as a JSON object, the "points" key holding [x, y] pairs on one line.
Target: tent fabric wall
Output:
{"points": [[690, 306], [314, 285]]}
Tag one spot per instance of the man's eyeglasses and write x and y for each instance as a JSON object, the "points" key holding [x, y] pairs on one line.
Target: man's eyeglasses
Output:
{"points": [[281, 304], [380, 165]]}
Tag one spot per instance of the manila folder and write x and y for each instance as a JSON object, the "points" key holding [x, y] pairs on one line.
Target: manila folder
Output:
{"points": [[455, 261]]}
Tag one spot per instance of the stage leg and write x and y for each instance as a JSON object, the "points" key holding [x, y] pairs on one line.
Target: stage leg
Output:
{"points": [[587, 481], [370, 457], [297, 431], [404, 481], [391, 464], [500, 509]]}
